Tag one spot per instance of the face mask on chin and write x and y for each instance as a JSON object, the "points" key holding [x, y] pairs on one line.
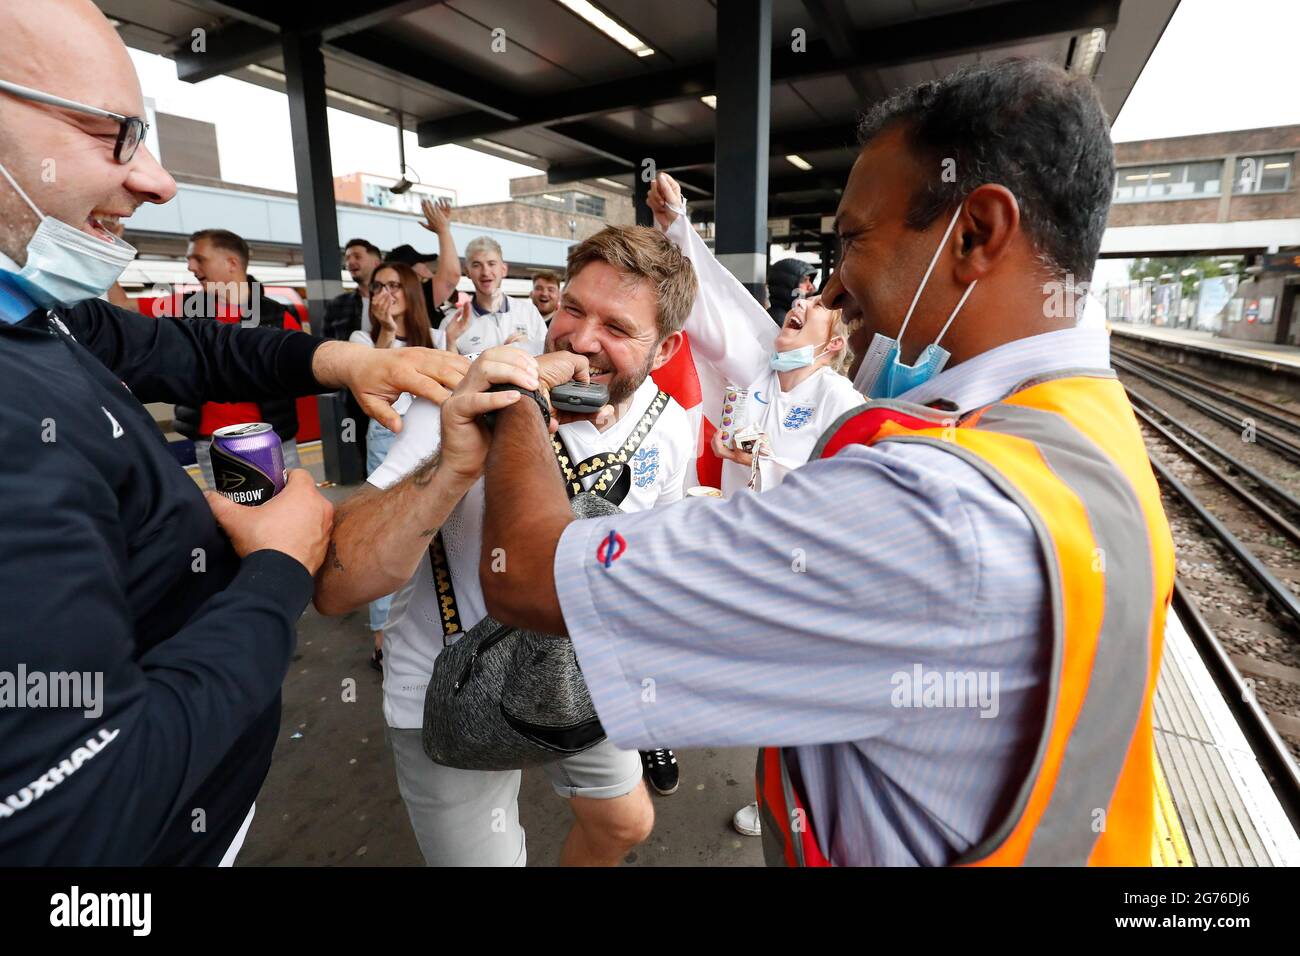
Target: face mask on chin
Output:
{"points": [[64, 264], [882, 373], [794, 359]]}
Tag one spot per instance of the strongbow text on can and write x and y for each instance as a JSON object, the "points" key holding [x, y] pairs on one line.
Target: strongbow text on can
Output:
{"points": [[247, 462]]}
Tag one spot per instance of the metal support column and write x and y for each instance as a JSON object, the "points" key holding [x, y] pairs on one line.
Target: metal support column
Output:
{"points": [[342, 437], [829, 248], [740, 154], [640, 190]]}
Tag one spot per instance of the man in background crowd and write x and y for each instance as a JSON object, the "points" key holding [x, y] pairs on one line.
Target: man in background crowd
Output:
{"points": [[492, 317], [219, 260], [350, 312], [546, 293]]}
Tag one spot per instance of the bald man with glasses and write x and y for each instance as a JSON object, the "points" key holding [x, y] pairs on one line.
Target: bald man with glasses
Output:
{"points": [[146, 629]]}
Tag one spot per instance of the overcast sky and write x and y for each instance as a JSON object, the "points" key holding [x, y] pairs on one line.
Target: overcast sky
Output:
{"points": [[1220, 65]]}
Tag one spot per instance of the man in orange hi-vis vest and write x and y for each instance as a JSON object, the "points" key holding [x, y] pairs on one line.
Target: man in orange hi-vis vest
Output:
{"points": [[945, 629]]}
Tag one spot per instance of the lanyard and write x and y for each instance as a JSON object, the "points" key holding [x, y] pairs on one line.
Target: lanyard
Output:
{"points": [[14, 303], [614, 479]]}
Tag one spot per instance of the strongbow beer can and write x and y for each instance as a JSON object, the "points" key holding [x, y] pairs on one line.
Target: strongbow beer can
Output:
{"points": [[247, 462], [735, 413]]}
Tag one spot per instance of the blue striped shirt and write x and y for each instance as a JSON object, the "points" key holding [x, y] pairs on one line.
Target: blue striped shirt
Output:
{"points": [[820, 615]]}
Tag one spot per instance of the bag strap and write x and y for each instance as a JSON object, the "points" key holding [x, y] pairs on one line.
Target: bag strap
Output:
{"points": [[444, 589], [615, 479]]}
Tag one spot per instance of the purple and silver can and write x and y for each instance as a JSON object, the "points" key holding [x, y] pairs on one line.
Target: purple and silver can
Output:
{"points": [[247, 462]]}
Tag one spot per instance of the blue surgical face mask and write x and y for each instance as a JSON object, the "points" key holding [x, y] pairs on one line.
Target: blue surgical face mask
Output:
{"points": [[66, 265], [798, 358], [882, 373]]}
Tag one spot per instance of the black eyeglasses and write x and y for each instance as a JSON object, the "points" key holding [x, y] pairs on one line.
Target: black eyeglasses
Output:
{"points": [[131, 129], [392, 287]]}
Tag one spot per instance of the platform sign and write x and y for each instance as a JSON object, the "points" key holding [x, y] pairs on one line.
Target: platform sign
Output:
{"points": [[1281, 262], [1213, 294]]}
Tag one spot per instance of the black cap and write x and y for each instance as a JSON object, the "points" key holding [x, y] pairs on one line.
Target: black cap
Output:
{"points": [[406, 254], [791, 271]]}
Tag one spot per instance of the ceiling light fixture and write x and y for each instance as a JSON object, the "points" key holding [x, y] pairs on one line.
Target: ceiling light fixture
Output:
{"points": [[502, 148], [798, 162], [607, 25], [1088, 50]]}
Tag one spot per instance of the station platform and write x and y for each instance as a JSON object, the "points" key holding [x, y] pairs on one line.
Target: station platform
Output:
{"points": [[1214, 806], [1287, 356]]}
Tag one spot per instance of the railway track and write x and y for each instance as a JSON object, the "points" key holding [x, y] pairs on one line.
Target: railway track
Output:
{"points": [[1234, 508]]}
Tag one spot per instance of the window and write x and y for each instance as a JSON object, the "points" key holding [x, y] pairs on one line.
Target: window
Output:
{"points": [[1263, 174], [590, 205], [1168, 181], [377, 195], [568, 202]]}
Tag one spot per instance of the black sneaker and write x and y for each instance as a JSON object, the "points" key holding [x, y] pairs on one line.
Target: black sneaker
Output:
{"points": [[661, 767]]}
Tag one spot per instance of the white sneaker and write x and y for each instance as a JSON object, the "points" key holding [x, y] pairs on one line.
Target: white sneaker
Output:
{"points": [[746, 821]]}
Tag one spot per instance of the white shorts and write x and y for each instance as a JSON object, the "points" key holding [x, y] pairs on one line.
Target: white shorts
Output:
{"points": [[471, 817]]}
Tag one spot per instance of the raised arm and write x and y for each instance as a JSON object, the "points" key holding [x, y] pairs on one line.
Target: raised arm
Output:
{"points": [[437, 219], [728, 327]]}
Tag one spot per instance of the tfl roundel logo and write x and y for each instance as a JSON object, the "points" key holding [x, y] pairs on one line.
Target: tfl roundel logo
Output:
{"points": [[611, 548]]}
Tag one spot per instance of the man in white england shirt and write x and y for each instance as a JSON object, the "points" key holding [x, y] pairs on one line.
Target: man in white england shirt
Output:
{"points": [[491, 317], [618, 323]]}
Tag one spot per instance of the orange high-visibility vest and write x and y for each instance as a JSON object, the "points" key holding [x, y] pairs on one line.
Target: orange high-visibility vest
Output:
{"points": [[1068, 451]]}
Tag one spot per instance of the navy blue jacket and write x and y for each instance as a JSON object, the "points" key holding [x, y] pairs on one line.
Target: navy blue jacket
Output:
{"points": [[111, 562]]}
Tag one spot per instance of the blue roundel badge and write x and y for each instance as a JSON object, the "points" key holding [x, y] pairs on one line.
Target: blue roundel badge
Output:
{"points": [[611, 548]]}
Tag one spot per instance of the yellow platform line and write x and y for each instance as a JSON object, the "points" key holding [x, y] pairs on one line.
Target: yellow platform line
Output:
{"points": [[1169, 844]]}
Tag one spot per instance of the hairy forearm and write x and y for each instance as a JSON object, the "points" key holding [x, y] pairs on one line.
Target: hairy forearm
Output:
{"points": [[526, 511], [380, 536], [327, 362]]}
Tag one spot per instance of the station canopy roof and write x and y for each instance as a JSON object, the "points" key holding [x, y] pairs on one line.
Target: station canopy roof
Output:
{"points": [[569, 97]]}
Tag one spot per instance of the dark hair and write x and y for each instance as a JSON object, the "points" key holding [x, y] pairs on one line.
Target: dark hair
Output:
{"points": [[227, 240], [365, 244], [1021, 123], [418, 330], [546, 275]]}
